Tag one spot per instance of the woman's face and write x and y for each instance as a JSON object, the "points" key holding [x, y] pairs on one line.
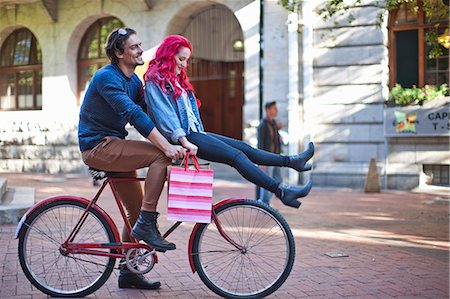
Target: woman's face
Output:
{"points": [[181, 59]]}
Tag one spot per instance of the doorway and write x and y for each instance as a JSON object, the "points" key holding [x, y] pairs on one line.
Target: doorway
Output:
{"points": [[216, 68]]}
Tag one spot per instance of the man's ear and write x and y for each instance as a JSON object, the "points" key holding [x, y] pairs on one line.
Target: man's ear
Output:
{"points": [[118, 54]]}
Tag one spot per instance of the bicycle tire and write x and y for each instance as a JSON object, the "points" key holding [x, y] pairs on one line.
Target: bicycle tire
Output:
{"points": [[50, 271], [269, 256]]}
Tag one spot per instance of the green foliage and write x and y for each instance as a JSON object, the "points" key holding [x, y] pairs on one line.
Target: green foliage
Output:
{"points": [[291, 5], [434, 9], [431, 37], [333, 8], [416, 96]]}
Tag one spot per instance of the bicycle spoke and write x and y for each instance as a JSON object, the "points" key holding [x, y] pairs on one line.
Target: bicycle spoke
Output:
{"points": [[57, 243]]}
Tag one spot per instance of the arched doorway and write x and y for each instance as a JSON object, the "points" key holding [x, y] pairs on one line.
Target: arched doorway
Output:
{"points": [[91, 54], [216, 68]]}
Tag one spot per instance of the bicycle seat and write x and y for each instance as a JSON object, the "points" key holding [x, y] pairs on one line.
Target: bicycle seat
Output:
{"points": [[98, 174]]}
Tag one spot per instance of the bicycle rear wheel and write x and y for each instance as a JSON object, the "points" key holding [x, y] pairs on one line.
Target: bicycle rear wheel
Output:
{"points": [[52, 271], [257, 271]]}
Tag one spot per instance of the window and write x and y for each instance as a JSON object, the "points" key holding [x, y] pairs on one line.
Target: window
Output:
{"points": [[91, 55], [438, 173], [409, 61], [20, 72]]}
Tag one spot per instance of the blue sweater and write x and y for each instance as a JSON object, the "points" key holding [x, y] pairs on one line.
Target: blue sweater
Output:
{"points": [[112, 100]]}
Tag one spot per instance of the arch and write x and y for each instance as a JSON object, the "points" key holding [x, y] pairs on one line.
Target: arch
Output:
{"points": [[216, 69], [20, 71], [91, 54]]}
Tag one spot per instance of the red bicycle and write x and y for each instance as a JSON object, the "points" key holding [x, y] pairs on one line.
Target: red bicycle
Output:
{"points": [[68, 246]]}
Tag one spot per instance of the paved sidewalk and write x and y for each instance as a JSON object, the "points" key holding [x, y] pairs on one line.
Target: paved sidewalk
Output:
{"points": [[397, 245]]}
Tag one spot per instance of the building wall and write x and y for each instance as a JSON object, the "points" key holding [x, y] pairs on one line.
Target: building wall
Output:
{"points": [[46, 140], [344, 70], [344, 111]]}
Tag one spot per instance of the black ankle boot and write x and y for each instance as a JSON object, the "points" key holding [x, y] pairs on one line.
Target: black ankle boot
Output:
{"points": [[130, 280], [298, 162], [289, 194], [146, 229]]}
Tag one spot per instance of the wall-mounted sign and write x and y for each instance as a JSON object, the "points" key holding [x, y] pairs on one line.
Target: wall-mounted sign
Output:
{"points": [[416, 121]]}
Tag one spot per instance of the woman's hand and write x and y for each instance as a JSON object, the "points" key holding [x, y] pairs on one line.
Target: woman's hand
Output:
{"points": [[192, 148]]}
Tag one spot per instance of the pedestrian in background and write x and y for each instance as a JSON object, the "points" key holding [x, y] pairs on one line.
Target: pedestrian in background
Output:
{"points": [[269, 140]]}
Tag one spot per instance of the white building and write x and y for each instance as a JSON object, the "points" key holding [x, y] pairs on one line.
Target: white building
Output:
{"points": [[330, 84]]}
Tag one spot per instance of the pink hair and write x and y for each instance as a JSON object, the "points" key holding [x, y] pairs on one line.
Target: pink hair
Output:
{"points": [[161, 68]]}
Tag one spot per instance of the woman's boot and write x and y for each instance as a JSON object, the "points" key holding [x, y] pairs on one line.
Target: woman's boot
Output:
{"points": [[146, 229], [289, 194], [298, 162]]}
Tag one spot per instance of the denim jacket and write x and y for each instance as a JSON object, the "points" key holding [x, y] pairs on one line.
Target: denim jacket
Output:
{"points": [[169, 114]]}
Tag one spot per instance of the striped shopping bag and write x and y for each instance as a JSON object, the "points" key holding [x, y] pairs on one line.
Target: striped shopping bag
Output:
{"points": [[190, 193]]}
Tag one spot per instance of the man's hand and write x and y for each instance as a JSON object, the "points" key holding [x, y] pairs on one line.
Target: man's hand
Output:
{"points": [[280, 125], [175, 152]]}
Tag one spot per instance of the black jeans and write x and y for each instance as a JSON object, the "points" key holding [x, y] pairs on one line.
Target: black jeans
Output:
{"points": [[238, 154]]}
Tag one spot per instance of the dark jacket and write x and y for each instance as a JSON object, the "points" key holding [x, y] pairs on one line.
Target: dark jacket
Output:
{"points": [[268, 136]]}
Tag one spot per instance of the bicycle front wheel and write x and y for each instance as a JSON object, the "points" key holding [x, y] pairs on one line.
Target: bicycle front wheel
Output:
{"points": [[258, 270], [50, 269]]}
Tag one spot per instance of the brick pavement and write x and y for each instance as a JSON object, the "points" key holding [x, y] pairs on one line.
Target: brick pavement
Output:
{"points": [[397, 245]]}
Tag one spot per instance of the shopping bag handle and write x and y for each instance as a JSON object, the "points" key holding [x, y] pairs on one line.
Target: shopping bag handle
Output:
{"points": [[186, 161]]}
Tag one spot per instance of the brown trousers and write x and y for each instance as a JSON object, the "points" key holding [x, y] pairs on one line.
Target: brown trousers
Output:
{"points": [[123, 157]]}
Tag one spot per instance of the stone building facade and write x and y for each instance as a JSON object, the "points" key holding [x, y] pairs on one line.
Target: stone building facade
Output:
{"points": [[45, 139], [345, 94], [343, 81], [346, 82]]}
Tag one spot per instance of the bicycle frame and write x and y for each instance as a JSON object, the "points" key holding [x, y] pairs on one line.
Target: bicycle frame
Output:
{"points": [[119, 249]]}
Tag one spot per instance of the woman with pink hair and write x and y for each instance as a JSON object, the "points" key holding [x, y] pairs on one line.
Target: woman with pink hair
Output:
{"points": [[173, 106]]}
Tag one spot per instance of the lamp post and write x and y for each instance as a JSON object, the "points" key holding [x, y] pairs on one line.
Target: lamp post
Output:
{"points": [[261, 57]]}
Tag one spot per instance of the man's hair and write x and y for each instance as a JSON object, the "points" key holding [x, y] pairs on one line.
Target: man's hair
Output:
{"points": [[116, 42], [269, 105]]}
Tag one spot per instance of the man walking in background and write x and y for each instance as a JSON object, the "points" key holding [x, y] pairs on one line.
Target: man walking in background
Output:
{"points": [[269, 140]]}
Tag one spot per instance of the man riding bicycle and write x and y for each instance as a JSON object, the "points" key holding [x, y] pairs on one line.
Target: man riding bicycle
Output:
{"points": [[113, 99]]}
